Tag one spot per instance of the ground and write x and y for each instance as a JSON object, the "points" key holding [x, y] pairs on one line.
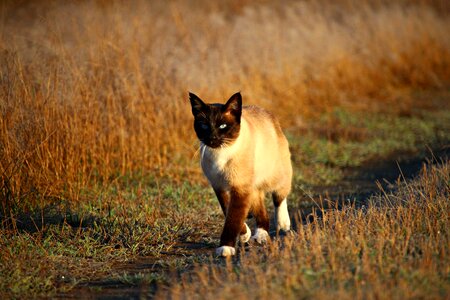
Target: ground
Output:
{"points": [[139, 234], [140, 276], [101, 193]]}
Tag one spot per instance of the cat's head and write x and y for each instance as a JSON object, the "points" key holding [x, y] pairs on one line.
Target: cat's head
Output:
{"points": [[217, 124]]}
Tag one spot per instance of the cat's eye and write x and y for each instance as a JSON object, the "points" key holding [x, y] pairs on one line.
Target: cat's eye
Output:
{"points": [[204, 126], [223, 126]]}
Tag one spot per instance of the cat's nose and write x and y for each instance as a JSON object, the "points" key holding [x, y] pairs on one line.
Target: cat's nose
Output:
{"points": [[214, 141]]}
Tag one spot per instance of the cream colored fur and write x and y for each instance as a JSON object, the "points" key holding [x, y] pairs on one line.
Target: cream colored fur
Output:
{"points": [[261, 236], [225, 251], [282, 217], [244, 238], [259, 159]]}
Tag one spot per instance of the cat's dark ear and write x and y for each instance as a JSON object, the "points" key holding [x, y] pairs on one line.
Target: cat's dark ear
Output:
{"points": [[198, 106], [234, 105]]}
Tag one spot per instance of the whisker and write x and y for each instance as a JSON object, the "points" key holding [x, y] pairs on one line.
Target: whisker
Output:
{"points": [[197, 152]]}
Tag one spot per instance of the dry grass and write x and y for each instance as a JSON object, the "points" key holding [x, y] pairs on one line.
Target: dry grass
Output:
{"points": [[94, 90], [395, 248], [97, 146]]}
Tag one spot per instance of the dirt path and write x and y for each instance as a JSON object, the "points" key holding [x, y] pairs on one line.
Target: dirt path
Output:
{"points": [[357, 186]]}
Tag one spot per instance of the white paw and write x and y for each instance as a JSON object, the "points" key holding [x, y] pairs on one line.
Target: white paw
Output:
{"points": [[243, 238], [261, 236], [225, 251], [282, 217]]}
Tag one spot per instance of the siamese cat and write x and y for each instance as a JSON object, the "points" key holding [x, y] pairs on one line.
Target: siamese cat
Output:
{"points": [[244, 154]]}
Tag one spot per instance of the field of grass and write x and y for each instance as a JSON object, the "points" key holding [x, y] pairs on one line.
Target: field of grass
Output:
{"points": [[99, 163], [395, 248]]}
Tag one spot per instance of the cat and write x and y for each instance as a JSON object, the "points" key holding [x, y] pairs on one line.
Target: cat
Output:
{"points": [[244, 154]]}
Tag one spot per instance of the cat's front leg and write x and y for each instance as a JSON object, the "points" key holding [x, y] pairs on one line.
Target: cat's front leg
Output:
{"points": [[224, 199], [234, 222]]}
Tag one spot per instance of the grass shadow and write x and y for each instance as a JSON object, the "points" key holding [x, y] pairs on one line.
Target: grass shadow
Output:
{"points": [[38, 219]]}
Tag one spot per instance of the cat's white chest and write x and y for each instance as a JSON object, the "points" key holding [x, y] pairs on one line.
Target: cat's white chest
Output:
{"points": [[216, 165]]}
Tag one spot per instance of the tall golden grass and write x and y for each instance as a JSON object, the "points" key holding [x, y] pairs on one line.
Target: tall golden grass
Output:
{"points": [[91, 90]]}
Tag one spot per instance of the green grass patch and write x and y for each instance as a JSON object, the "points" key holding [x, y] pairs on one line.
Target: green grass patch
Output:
{"points": [[343, 139]]}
